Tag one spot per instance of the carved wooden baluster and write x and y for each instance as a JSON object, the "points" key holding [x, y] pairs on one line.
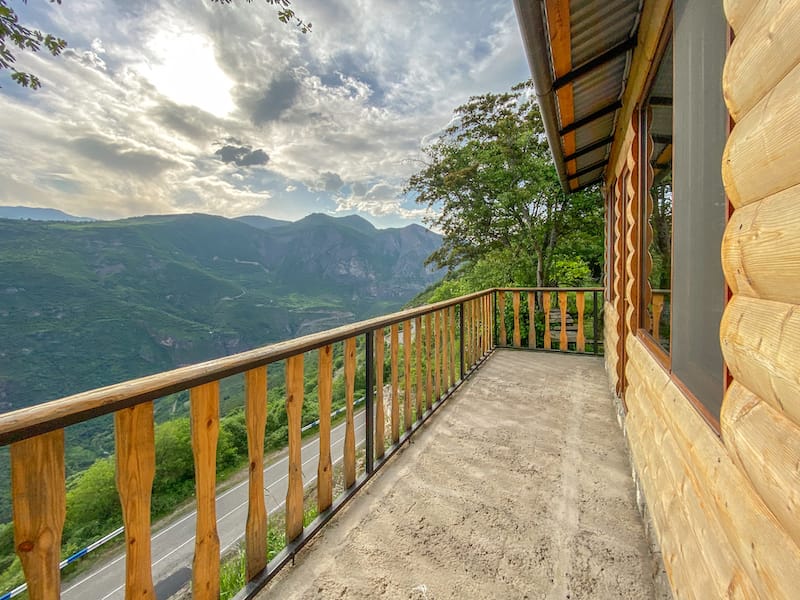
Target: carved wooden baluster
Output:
{"points": [[349, 428], [580, 341], [418, 350], [136, 467], [40, 506], [437, 351], [255, 391], [325, 396], [658, 307], [517, 335], [395, 416], [501, 316], [562, 305], [546, 309], [204, 414], [380, 417], [531, 319], [295, 389], [476, 337], [407, 374], [446, 328], [428, 361]]}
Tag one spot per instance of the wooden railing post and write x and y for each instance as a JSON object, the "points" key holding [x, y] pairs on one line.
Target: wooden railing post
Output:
{"points": [[546, 310], [418, 349], [531, 320], [369, 410], [136, 467], [428, 361], [380, 416], [563, 341], [407, 375], [40, 506], [580, 340], [437, 351], [395, 413], [451, 331], [325, 397], [204, 414], [295, 390], [501, 316], [517, 332], [461, 340], [349, 428], [255, 391]]}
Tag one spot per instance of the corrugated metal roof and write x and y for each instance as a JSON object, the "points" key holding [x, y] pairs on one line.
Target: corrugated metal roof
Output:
{"points": [[597, 27]]}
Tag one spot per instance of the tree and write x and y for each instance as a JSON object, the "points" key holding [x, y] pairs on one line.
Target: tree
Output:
{"points": [[491, 185], [13, 33]]}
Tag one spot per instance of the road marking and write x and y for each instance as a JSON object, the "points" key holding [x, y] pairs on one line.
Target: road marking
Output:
{"points": [[227, 492]]}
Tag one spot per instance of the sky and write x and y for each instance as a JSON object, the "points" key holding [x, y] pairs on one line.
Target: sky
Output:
{"points": [[176, 106]]}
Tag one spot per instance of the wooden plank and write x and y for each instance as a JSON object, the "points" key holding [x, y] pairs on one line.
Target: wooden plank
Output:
{"points": [[428, 361], [761, 248], [531, 320], [501, 317], [136, 467], [762, 156], [255, 391], [407, 374], [204, 415], [580, 342], [761, 54], [562, 305], [466, 318], [517, 329], [546, 310], [760, 341], [325, 399], [452, 345], [446, 350], [295, 390], [380, 416], [658, 308], [766, 446], [395, 413], [437, 345], [738, 11], [418, 348], [476, 349], [349, 428], [38, 496]]}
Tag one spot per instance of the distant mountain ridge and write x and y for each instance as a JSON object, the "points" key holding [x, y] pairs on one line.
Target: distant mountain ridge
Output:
{"points": [[38, 214], [85, 304]]}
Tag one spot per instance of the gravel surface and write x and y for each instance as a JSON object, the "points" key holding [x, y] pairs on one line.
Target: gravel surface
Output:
{"points": [[519, 487]]}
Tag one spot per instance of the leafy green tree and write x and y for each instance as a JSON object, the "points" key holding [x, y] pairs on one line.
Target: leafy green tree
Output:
{"points": [[491, 185]]}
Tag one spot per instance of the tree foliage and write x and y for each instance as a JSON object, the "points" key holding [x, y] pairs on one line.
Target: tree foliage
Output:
{"points": [[491, 186]]}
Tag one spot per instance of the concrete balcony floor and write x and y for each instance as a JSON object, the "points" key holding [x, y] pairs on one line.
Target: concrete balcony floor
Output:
{"points": [[519, 487]]}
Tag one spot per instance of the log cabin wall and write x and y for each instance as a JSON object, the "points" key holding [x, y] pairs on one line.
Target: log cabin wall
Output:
{"points": [[726, 508]]}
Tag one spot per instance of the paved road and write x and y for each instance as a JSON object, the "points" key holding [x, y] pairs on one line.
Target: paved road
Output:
{"points": [[173, 546]]}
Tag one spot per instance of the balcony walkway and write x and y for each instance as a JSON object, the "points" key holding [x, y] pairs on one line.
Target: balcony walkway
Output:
{"points": [[519, 487]]}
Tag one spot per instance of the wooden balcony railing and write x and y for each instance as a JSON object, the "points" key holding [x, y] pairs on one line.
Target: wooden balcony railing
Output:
{"points": [[441, 345], [543, 317]]}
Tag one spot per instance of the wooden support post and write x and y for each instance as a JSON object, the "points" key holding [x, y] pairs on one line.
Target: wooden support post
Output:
{"points": [[325, 398], [546, 309], [501, 316], [428, 362], [437, 365], [580, 340], [445, 350], [380, 416], [531, 319], [39, 502], [563, 343], [395, 413], [255, 391], [407, 374], [349, 428], [136, 467], [295, 390], [418, 349], [204, 414], [517, 331]]}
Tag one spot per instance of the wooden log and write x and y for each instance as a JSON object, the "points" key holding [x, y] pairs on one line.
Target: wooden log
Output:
{"points": [[531, 319], [418, 350], [517, 330], [452, 345], [395, 413], [546, 310], [255, 392], [760, 341], [501, 317], [407, 374], [325, 398], [580, 339], [766, 446], [762, 53], [658, 308], [428, 361], [136, 467], [437, 364], [762, 156], [39, 499], [349, 428], [563, 339], [767, 554], [761, 248], [295, 391], [380, 416], [204, 415], [738, 11]]}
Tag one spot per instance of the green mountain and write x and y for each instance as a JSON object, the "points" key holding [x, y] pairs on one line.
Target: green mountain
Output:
{"points": [[89, 304], [37, 214]]}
